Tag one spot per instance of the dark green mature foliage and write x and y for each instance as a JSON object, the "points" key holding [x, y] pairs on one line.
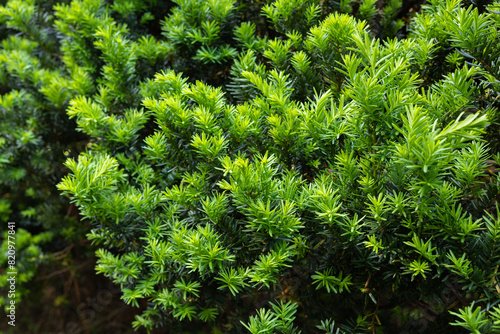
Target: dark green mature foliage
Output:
{"points": [[318, 173]]}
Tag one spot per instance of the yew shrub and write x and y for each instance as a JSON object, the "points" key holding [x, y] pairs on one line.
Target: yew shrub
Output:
{"points": [[280, 167]]}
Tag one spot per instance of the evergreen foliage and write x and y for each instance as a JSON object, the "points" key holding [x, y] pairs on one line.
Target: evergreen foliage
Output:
{"points": [[280, 167]]}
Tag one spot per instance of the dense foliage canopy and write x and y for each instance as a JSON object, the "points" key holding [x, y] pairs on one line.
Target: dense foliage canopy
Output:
{"points": [[265, 167]]}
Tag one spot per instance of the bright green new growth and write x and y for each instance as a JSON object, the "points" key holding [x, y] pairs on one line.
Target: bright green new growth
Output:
{"points": [[227, 196], [317, 159]]}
